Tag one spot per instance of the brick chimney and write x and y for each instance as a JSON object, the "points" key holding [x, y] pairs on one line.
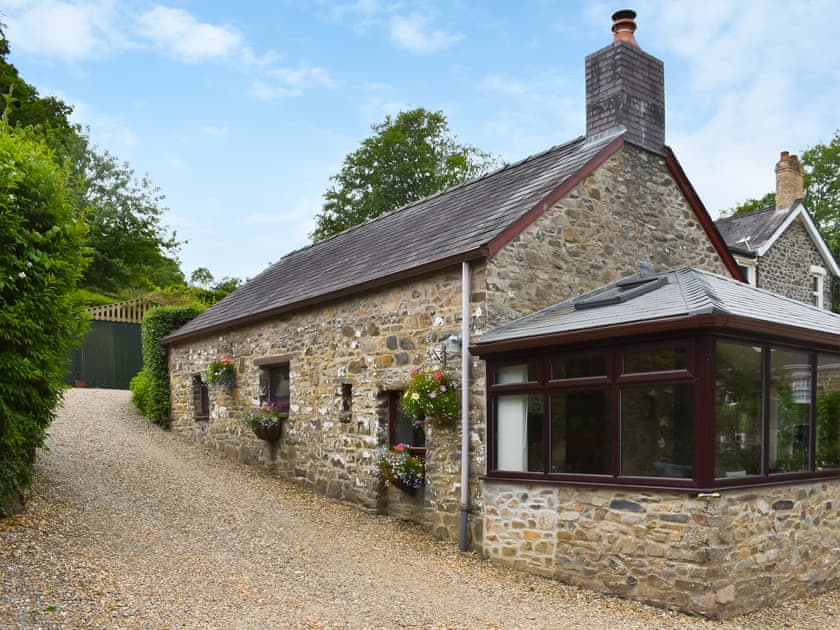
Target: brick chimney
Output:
{"points": [[626, 86], [790, 180]]}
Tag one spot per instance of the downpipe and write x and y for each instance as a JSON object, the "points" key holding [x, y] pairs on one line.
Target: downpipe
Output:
{"points": [[463, 539]]}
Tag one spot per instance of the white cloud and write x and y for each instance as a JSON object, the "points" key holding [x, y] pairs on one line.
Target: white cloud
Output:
{"points": [[186, 38], [267, 92], [68, 31], [413, 32], [215, 131]]}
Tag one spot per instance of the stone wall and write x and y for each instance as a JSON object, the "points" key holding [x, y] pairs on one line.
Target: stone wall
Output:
{"points": [[629, 210], [370, 342], [716, 556], [786, 267]]}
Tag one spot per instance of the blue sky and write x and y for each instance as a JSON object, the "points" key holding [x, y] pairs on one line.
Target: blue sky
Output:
{"points": [[241, 111]]}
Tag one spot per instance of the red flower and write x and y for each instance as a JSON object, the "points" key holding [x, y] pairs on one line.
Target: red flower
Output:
{"points": [[399, 447], [438, 376], [227, 359]]}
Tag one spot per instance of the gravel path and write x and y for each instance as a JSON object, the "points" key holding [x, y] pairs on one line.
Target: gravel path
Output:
{"points": [[132, 527]]}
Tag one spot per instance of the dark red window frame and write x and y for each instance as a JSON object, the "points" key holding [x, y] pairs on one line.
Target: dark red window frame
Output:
{"points": [[700, 373]]}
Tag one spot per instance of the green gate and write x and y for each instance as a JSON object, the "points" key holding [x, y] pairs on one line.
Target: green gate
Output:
{"points": [[111, 353]]}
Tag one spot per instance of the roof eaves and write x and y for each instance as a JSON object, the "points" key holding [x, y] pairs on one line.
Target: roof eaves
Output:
{"points": [[251, 318]]}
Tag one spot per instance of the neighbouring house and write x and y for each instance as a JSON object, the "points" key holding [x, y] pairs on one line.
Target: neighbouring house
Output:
{"points": [[780, 249], [330, 332]]}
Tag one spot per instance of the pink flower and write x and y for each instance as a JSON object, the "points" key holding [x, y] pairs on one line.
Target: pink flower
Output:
{"points": [[443, 388], [438, 376], [227, 359], [399, 447]]}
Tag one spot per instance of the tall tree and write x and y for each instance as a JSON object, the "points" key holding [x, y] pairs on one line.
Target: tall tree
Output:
{"points": [[409, 157], [822, 189]]}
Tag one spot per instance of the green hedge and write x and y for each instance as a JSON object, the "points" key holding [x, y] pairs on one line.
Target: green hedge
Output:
{"points": [[41, 260], [157, 323]]}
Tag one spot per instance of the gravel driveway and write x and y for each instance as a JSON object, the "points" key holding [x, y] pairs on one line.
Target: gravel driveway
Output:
{"points": [[133, 527]]}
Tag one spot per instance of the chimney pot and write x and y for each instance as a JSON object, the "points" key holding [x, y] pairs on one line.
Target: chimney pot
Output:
{"points": [[624, 25]]}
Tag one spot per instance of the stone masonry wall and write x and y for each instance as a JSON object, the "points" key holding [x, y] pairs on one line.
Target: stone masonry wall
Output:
{"points": [[629, 210], [786, 267], [369, 341], [716, 556]]}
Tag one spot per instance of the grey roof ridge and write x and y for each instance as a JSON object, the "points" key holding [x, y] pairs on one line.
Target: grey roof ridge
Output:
{"points": [[711, 302]]}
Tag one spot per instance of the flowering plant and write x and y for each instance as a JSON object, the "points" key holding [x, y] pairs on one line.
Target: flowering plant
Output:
{"points": [[267, 415], [431, 395], [221, 372], [398, 466]]}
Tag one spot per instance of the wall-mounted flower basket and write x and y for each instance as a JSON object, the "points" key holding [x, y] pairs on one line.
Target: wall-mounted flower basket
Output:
{"points": [[431, 395], [222, 372], [266, 421], [270, 433], [400, 468]]}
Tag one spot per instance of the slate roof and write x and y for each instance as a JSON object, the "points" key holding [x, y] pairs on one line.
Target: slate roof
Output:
{"points": [[453, 225], [747, 233], [684, 292]]}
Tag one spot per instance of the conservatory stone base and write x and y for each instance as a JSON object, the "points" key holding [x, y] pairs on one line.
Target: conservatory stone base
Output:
{"points": [[713, 556]]}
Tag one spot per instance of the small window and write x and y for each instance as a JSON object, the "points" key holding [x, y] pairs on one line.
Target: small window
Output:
{"points": [[790, 410], [274, 385], [828, 412], [817, 287], [346, 402], [402, 428], [201, 398]]}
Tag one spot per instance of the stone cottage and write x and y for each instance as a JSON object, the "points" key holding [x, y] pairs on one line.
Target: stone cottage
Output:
{"points": [[332, 330], [780, 249]]}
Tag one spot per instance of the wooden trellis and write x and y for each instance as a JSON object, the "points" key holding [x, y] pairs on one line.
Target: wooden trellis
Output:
{"points": [[130, 311]]}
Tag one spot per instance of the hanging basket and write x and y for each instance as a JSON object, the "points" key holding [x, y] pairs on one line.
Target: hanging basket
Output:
{"points": [[269, 434]]}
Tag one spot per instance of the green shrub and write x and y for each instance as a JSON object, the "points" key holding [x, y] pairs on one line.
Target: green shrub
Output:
{"points": [[41, 260], [139, 387], [157, 323]]}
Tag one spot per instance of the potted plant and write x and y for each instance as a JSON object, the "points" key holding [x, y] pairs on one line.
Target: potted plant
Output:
{"points": [[222, 372], [431, 397], [400, 468], [266, 420]]}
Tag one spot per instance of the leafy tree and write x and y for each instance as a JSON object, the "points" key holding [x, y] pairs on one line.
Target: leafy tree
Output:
{"points": [[201, 277], [227, 285], [40, 263], [751, 205], [822, 189], [128, 241], [409, 157]]}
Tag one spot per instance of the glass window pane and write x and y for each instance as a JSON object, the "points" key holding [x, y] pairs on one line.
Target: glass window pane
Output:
{"points": [[520, 373], [790, 410], [658, 360], [738, 409], [519, 443], [405, 430], [828, 411], [656, 431], [580, 432], [579, 367]]}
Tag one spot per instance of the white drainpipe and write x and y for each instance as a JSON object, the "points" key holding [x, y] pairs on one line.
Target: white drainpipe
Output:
{"points": [[465, 403]]}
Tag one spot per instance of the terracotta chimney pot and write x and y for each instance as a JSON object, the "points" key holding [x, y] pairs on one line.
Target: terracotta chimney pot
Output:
{"points": [[624, 25]]}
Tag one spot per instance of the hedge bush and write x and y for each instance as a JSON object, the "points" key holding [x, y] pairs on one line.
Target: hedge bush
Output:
{"points": [[157, 323], [139, 387], [41, 260]]}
